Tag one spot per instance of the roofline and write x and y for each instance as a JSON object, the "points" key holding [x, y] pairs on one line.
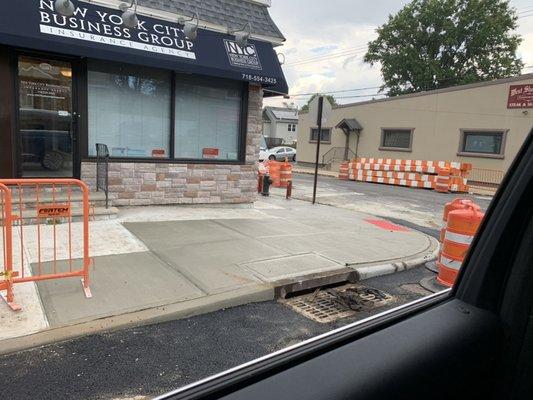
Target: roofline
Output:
{"points": [[173, 17], [437, 91], [443, 90], [272, 117]]}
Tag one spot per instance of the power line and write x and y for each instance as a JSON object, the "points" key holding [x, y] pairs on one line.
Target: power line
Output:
{"points": [[331, 53], [335, 91], [524, 9], [326, 58], [361, 95]]}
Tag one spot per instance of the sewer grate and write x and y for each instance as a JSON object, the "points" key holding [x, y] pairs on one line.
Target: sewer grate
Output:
{"points": [[328, 305]]}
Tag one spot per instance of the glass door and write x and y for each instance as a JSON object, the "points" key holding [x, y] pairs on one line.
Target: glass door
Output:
{"points": [[46, 133]]}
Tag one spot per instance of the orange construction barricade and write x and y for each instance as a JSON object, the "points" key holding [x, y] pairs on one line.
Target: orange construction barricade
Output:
{"points": [[274, 169], [285, 174], [442, 183], [344, 170], [460, 231], [37, 218], [457, 204]]}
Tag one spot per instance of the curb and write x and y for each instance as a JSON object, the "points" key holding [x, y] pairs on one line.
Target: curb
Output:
{"points": [[164, 313], [372, 271], [312, 172]]}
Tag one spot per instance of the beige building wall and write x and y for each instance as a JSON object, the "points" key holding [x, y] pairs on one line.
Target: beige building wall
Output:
{"points": [[437, 119]]}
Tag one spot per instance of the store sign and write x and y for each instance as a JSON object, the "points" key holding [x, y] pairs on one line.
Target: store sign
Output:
{"points": [[96, 31], [210, 152], [104, 27], [520, 96], [53, 210], [239, 56]]}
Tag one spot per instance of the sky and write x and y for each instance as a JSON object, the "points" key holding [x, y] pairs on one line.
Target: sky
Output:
{"points": [[326, 42]]}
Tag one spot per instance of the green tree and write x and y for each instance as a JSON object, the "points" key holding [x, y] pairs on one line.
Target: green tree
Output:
{"points": [[331, 99], [432, 44]]}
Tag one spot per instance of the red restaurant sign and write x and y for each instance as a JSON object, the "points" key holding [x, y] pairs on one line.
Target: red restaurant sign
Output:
{"points": [[520, 96]]}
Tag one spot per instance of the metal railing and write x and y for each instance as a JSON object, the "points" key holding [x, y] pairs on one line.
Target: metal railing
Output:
{"points": [[39, 238], [102, 170], [337, 154], [488, 178]]}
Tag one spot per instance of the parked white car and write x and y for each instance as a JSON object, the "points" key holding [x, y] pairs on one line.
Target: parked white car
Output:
{"points": [[279, 153]]}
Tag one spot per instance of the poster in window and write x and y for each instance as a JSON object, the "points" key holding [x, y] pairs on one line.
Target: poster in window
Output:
{"points": [[210, 152]]}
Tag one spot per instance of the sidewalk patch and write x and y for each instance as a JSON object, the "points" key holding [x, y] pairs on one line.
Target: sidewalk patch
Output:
{"points": [[386, 225], [296, 266]]}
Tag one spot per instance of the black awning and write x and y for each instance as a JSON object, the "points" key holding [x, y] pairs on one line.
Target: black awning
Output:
{"points": [[97, 32], [350, 125]]}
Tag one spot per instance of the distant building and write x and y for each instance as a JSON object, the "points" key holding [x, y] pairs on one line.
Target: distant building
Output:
{"points": [[483, 123], [280, 125]]}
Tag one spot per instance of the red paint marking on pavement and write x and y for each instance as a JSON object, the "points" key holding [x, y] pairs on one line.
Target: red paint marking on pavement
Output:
{"points": [[388, 226]]}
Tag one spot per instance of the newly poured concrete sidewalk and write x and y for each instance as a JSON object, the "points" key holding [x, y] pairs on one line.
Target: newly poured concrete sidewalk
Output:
{"points": [[166, 262]]}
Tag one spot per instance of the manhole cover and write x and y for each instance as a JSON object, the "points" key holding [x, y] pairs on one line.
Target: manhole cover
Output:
{"points": [[328, 305]]}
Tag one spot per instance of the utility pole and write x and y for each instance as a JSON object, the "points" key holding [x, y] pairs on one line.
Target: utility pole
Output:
{"points": [[319, 137]]}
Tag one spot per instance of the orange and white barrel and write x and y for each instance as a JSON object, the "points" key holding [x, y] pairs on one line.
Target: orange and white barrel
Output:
{"points": [[457, 204], [460, 231], [274, 169], [285, 174], [442, 183], [344, 170]]}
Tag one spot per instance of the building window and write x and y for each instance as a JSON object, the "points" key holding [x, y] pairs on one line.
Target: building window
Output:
{"points": [[482, 143], [325, 135], [207, 119], [396, 139], [129, 110], [291, 127]]}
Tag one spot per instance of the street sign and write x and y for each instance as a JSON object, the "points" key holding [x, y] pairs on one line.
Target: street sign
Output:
{"points": [[326, 111], [53, 210]]}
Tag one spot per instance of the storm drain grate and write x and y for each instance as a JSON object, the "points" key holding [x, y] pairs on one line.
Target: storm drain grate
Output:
{"points": [[330, 305]]}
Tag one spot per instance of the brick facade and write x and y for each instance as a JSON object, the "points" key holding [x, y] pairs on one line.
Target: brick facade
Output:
{"points": [[145, 183]]}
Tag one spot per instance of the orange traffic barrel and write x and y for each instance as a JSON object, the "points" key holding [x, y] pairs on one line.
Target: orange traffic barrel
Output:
{"points": [[274, 169], [460, 231], [344, 170], [457, 204], [285, 174], [442, 183]]}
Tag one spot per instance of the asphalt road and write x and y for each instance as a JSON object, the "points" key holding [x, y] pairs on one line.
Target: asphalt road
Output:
{"points": [[415, 208], [152, 360]]}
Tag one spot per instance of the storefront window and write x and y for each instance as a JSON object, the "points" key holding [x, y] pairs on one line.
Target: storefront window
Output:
{"points": [[207, 119], [129, 110]]}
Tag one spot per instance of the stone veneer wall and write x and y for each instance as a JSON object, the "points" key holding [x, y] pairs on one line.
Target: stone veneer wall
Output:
{"points": [[146, 183]]}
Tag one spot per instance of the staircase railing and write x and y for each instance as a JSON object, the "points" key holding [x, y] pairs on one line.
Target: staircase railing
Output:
{"points": [[336, 154], [102, 170]]}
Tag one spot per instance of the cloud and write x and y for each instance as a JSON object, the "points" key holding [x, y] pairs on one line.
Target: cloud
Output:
{"points": [[316, 29]]}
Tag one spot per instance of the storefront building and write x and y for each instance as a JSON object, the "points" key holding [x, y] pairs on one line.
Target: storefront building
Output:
{"points": [[181, 116]]}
